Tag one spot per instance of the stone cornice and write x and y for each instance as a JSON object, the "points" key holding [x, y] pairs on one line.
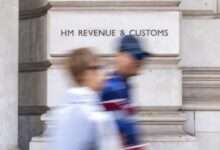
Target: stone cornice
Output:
{"points": [[33, 13], [32, 110], [115, 3], [202, 105], [161, 117], [200, 87], [163, 126], [34, 66], [201, 77], [152, 62]]}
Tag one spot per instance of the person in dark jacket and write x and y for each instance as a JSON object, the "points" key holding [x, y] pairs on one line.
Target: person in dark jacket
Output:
{"points": [[115, 95]]}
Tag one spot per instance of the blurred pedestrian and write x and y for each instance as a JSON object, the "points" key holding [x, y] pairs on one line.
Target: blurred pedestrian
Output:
{"points": [[116, 92], [81, 123]]}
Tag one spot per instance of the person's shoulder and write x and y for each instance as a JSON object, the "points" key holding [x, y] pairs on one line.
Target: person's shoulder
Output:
{"points": [[113, 83], [113, 89], [68, 95]]}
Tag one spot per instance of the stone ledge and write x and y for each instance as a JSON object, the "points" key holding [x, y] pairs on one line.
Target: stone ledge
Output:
{"points": [[168, 61], [34, 66], [204, 105], [32, 110], [115, 3], [169, 138], [161, 117], [175, 145], [163, 126], [201, 88], [31, 4], [41, 143], [194, 7], [119, 8], [201, 71], [201, 77], [33, 13]]}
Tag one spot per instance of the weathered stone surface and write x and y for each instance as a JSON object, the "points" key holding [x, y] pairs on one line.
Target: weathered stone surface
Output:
{"points": [[207, 121], [201, 84], [199, 6], [29, 126], [201, 93], [166, 126], [9, 2], [75, 3], [8, 74], [31, 4], [39, 143], [33, 88], [158, 87], [200, 44], [189, 124], [201, 105], [201, 89], [218, 6], [208, 140], [32, 39]]}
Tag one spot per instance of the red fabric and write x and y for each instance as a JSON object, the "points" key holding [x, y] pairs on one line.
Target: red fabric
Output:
{"points": [[115, 104], [136, 148], [119, 105], [130, 109]]}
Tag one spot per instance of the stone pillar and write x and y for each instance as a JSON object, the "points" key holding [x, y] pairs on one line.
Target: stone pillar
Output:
{"points": [[201, 71], [32, 68], [8, 74]]}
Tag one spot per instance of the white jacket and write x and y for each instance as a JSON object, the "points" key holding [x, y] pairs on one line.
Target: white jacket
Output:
{"points": [[82, 124]]}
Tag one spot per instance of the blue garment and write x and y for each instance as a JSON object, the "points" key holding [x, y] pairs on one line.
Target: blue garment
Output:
{"points": [[115, 88]]}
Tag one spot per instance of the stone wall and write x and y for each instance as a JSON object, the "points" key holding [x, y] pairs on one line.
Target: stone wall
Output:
{"points": [[159, 88], [8, 74], [195, 86], [200, 64]]}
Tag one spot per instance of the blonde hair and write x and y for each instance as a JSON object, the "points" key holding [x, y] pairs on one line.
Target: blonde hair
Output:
{"points": [[79, 61]]}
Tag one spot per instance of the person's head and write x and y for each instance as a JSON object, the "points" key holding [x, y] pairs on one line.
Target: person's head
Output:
{"points": [[84, 66], [130, 56]]}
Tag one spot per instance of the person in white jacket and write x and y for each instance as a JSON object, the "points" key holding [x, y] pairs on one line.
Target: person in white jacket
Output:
{"points": [[80, 121]]}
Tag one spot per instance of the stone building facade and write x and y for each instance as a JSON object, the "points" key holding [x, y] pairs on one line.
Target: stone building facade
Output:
{"points": [[178, 91]]}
